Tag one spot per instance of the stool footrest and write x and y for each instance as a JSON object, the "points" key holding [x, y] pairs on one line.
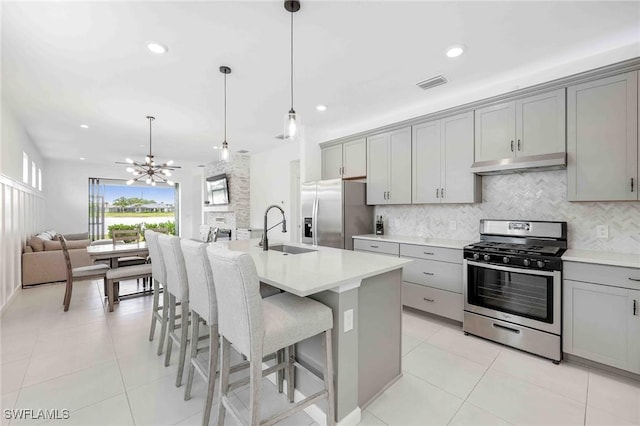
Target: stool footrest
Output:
{"points": [[299, 406]]}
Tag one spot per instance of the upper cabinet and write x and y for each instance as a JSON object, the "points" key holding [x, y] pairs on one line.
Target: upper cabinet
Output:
{"points": [[347, 160], [441, 161], [389, 167], [602, 139], [521, 128]]}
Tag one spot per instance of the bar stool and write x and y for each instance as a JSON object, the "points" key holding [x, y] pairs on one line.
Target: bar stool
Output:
{"points": [[178, 291], [159, 277], [256, 326]]}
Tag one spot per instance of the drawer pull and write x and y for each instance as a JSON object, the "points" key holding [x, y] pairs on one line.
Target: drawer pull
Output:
{"points": [[374, 247], [428, 300], [635, 308], [426, 252], [428, 273], [513, 330], [634, 279]]}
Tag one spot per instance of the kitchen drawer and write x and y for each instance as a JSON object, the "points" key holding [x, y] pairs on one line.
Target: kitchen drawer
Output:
{"points": [[384, 247], [431, 253], [442, 275], [433, 300], [616, 276]]}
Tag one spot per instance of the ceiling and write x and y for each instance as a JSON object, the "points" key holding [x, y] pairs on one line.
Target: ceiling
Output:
{"points": [[71, 63]]}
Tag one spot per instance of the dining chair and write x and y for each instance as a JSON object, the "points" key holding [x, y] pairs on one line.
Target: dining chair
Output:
{"points": [[159, 277], [256, 326], [178, 291], [128, 236], [90, 272]]}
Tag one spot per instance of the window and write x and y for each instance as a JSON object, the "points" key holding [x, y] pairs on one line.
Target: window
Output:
{"points": [[25, 167], [33, 174], [39, 180]]}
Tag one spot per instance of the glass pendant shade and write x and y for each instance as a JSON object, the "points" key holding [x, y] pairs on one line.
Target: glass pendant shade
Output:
{"points": [[224, 152], [291, 125]]}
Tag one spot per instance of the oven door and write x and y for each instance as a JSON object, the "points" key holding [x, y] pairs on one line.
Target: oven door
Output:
{"points": [[517, 295]]}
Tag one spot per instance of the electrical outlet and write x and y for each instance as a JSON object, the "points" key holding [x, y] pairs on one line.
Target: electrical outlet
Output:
{"points": [[602, 231], [453, 225], [348, 320]]}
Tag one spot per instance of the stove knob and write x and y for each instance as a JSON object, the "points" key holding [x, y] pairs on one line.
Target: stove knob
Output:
{"points": [[540, 264], [476, 256], [526, 262], [487, 257], [505, 259]]}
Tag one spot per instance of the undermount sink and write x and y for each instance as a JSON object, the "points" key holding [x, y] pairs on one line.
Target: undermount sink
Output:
{"points": [[289, 249]]}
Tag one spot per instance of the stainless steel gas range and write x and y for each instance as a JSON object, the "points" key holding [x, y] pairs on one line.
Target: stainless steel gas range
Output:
{"points": [[512, 284]]}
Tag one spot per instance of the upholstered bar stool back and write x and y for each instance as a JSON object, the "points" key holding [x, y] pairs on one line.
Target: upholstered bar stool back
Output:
{"points": [[177, 286], [159, 276]]}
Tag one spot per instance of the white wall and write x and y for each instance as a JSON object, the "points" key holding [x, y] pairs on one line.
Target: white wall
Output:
{"points": [[15, 140], [270, 184], [68, 191]]}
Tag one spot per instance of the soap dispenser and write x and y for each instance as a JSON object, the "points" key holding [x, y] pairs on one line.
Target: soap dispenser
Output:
{"points": [[379, 226]]}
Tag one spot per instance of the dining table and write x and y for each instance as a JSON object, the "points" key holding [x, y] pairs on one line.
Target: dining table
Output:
{"points": [[113, 252]]}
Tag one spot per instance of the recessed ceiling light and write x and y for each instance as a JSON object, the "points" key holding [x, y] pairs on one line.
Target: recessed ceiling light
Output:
{"points": [[84, 126], [455, 51], [82, 158], [321, 108], [158, 48]]}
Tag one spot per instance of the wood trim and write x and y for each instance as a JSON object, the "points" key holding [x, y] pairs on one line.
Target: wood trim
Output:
{"points": [[582, 77]]}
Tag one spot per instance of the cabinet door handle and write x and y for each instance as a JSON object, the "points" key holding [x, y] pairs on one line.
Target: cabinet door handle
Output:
{"points": [[384, 195], [441, 192], [374, 246], [428, 273], [631, 184], [635, 307], [437, 192], [511, 146], [518, 144], [388, 195], [634, 279], [428, 300]]}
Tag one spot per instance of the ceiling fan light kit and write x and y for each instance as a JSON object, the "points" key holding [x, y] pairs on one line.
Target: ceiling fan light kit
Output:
{"points": [[147, 170]]}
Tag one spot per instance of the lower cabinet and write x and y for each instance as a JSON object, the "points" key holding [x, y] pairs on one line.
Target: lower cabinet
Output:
{"points": [[602, 322], [432, 282]]}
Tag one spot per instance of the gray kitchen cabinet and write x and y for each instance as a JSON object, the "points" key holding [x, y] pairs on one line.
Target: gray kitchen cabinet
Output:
{"points": [[389, 167], [332, 162], [442, 157], [525, 127], [346, 160], [602, 139], [601, 322]]}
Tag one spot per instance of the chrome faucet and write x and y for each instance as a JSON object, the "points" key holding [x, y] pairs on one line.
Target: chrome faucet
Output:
{"points": [[265, 240]]}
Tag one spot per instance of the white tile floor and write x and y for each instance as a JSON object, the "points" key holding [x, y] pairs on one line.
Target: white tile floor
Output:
{"points": [[101, 367]]}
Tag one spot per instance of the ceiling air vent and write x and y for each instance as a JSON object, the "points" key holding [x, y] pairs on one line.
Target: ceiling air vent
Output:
{"points": [[243, 151], [432, 82]]}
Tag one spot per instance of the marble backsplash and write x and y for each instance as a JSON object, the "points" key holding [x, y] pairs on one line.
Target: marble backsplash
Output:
{"points": [[523, 196]]}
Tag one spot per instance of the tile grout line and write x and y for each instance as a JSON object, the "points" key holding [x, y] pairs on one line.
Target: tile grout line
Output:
{"points": [[586, 400]]}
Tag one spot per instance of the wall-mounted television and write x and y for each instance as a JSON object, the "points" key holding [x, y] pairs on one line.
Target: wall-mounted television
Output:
{"points": [[217, 190]]}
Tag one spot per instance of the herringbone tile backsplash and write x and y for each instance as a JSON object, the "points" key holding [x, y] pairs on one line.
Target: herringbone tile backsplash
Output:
{"points": [[523, 196]]}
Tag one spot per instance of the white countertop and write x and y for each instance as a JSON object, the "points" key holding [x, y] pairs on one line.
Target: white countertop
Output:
{"points": [[602, 257], [308, 273], [434, 242]]}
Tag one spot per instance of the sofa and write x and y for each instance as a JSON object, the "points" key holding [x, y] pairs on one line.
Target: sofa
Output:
{"points": [[43, 260]]}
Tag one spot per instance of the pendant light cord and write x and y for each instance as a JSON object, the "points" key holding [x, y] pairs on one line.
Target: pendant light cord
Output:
{"points": [[291, 60]]}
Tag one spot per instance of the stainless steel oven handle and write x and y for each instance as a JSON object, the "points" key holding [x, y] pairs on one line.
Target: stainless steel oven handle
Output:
{"points": [[509, 269]]}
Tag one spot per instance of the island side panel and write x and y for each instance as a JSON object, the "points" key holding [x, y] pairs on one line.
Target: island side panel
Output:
{"points": [[379, 334], [345, 354]]}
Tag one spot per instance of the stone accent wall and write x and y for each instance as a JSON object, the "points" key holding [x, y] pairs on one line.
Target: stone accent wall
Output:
{"points": [[237, 212], [524, 196]]}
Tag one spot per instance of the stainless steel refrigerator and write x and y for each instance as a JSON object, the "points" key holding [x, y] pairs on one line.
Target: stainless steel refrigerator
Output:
{"points": [[333, 211]]}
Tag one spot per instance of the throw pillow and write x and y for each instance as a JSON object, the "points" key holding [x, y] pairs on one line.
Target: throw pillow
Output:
{"points": [[37, 242]]}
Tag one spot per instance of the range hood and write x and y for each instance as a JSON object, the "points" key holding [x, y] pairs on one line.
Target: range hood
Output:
{"points": [[533, 163]]}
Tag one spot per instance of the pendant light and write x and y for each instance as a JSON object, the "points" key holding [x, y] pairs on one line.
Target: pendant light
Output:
{"points": [[147, 170], [224, 154], [291, 119]]}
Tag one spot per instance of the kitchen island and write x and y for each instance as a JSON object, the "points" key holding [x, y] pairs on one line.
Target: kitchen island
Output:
{"points": [[364, 292]]}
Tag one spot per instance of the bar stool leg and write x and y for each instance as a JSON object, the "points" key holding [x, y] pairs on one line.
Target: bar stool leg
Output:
{"points": [[170, 329], [328, 378], [255, 383], [280, 374], [224, 379], [165, 320], [291, 357], [213, 365], [184, 337], [195, 333], [154, 312]]}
